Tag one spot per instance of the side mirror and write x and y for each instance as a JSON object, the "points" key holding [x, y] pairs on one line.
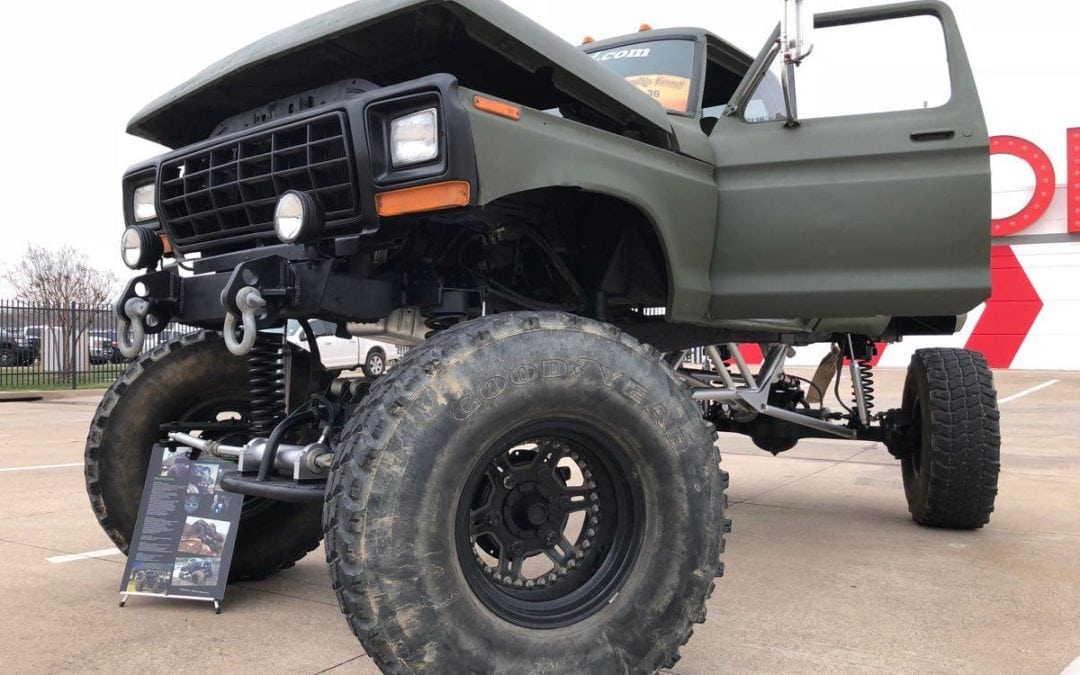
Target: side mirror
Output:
{"points": [[796, 28]]}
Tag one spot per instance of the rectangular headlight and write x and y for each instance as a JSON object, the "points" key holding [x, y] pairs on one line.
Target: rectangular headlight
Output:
{"points": [[143, 206], [414, 138]]}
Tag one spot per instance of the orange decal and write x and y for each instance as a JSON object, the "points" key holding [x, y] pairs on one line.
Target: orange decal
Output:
{"points": [[672, 91]]}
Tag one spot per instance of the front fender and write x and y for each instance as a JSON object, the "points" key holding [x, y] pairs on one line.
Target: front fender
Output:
{"points": [[676, 193]]}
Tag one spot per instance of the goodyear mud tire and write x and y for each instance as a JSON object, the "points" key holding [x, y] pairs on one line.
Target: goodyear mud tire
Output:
{"points": [[194, 375], [951, 469], [529, 492]]}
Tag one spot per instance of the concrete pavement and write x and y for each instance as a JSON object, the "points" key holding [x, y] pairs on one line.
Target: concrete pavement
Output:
{"points": [[826, 571]]}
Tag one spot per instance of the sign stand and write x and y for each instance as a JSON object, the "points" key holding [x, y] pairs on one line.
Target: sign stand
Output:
{"points": [[124, 599], [186, 531]]}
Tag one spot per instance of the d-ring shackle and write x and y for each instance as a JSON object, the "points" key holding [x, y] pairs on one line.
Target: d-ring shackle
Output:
{"points": [[249, 301], [135, 311]]}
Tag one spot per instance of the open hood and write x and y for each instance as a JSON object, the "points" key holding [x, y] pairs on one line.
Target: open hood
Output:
{"points": [[485, 44]]}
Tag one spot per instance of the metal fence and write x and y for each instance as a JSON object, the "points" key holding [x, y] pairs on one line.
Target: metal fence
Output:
{"points": [[74, 347], [70, 347]]}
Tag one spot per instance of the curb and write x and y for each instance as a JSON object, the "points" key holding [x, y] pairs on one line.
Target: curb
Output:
{"points": [[27, 396]]}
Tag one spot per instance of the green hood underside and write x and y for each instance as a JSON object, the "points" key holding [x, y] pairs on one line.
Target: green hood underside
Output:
{"points": [[485, 44]]}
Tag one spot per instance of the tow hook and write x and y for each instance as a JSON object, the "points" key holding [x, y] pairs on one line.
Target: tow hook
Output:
{"points": [[249, 301], [135, 309]]}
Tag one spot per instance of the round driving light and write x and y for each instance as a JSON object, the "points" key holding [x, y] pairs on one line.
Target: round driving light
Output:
{"points": [[140, 247], [297, 217]]}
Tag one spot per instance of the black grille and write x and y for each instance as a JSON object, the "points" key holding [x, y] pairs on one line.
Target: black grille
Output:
{"points": [[230, 190]]}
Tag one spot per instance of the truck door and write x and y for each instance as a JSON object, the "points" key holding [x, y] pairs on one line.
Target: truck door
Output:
{"points": [[878, 201]]}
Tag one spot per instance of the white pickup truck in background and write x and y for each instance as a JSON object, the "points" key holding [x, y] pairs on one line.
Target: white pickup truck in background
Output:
{"points": [[344, 353]]}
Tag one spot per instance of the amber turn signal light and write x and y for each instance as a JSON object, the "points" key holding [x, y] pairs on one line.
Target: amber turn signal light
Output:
{"points": [[510, 112], [423, 198]]}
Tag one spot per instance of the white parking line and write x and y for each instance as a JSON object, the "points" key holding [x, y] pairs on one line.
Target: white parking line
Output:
{"points": [[42, 466], [83, 556], [1073, 668], [1024, 393]]}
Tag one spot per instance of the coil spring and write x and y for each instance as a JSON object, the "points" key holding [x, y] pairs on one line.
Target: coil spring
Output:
{"points": [[440, 322], [866, 375], [266, 382]]}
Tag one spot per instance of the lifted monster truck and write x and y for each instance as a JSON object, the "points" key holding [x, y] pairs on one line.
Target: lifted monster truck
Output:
{"points": [[196, 571], [150, 581], [536, 486]]}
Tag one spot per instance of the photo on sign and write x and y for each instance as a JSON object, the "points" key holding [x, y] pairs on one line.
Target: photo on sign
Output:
{"points": [[203, 537], [195, 572], [148, 578], [192, 503], [222, 502], [200, 477]]}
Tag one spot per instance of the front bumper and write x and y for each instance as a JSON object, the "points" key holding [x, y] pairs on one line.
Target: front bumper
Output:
{"points": [[295, 283], [24, 354]]}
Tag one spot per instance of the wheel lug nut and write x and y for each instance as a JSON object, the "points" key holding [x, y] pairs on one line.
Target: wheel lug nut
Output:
{"points": [[508, 482], [592, 485], [571, 564], [550, 538], [593, 496], [594, 520], [591, 532], [530, 583], [579, 554]]}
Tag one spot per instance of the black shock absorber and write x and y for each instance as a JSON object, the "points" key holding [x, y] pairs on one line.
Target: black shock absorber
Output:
{"points": [[266, 381]]}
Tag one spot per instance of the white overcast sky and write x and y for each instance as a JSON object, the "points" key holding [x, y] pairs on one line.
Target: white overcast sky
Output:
{"points": [[74, 72]]}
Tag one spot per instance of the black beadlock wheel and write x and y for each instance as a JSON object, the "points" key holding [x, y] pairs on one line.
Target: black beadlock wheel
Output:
{"points": [[526, 492], [191, 379], [549, 524], [951, 469]]}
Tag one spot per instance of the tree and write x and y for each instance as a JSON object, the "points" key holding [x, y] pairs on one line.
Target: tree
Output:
{"points": [[54, 279]]}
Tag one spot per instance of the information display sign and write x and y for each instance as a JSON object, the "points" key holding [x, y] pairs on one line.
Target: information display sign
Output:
{"points": [[186, 530]]}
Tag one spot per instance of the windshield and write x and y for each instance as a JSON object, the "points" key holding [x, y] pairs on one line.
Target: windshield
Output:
{"points": [[663, 69]]}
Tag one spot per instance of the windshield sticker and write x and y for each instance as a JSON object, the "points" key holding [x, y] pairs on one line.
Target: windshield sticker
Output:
{"points": [[672, 91], [619, 54]]}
